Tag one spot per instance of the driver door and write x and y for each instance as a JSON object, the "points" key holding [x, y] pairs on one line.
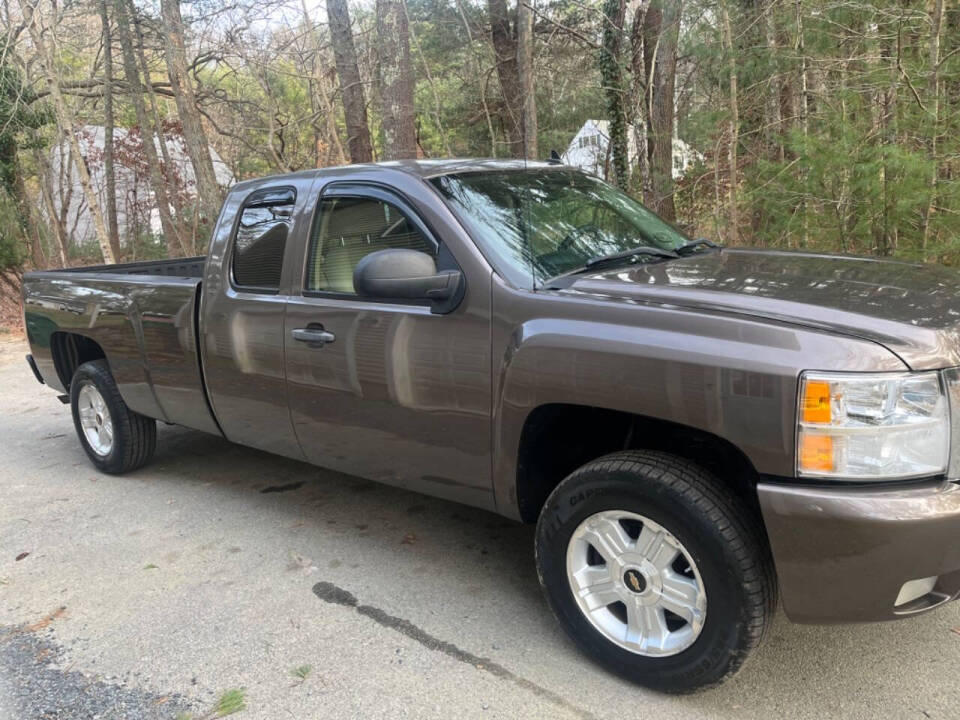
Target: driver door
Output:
{"points": [[397, 394]]}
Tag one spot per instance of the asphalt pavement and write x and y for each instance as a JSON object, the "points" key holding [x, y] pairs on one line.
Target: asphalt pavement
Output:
{"points": [[221, 577]]}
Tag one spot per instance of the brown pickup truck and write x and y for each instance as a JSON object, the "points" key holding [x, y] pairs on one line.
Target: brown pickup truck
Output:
{"points": [[693, 429]]}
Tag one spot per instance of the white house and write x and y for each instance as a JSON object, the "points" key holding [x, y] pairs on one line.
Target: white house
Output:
{"points": [[136, 208], [589, 147]]}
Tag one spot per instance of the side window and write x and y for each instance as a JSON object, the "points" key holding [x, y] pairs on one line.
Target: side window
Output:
{"points": [[261, 238], [347, 229]]}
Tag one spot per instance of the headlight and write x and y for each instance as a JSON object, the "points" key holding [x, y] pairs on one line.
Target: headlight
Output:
{"points": [[859, 426]]}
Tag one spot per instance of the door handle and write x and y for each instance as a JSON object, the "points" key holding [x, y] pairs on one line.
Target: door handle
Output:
{"points": [[314, 336]]}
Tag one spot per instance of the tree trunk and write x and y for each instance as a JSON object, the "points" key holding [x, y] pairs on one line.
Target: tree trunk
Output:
{"points": [[934, 120], [637, 114], [505, 51], [772, 113], [351, 87], [802, 105], [396, 81], [46, 194], [25, 209], [157, 180], [437, 116], [734, 127], [110, 177], [171, 176], [209, 194], [611, 74], [525, 77], [662, 28], [319, 83], [481, 77], [66, 122]]}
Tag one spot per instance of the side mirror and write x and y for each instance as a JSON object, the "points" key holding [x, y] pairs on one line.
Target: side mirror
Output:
{"points": [[403, 274]]}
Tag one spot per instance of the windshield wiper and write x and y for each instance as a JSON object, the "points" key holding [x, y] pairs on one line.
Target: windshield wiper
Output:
{"points": [[612, 258], [694, 244], [629, 253]]}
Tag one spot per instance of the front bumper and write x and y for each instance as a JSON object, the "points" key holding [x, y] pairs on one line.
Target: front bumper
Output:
{"points": [[843, 554]]}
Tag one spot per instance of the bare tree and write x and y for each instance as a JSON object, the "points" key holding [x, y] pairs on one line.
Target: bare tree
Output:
{"points": [[936, 24], [772, 111], [505, 50], [195, 139], [734, 124], [611, 74], [319, 90], [525, 76], [637, 107], [46, 194], [47, 55], [801, 104], [396, 81], [351, 87], [110, 176], [158, 182], [661, 32]]}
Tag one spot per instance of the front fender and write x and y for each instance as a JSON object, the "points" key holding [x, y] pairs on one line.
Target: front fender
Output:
{"points": [[731, 376]]}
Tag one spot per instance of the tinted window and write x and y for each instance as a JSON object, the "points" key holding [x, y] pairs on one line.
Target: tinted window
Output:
{"points": [[348, 228], [261, 238]]}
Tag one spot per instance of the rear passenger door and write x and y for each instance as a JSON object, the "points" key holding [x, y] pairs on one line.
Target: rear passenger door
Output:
{"points": [[245, 293], [398, 394]]}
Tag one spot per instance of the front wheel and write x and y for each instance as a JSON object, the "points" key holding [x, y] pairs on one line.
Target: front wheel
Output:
{"points": [[654, 571], [116, 439]]}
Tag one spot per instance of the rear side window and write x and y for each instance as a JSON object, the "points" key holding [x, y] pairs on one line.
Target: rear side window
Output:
{"points": [[261, 238]]}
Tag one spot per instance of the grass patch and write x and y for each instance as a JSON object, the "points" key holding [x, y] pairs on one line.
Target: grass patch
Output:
{"points": [[301, 672], [232, 701]]}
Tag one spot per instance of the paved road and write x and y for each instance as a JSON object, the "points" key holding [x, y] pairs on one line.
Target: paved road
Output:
{"points": [[220, 568]]}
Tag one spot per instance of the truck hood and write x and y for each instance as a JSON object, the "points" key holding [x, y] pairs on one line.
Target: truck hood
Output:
{"points": [[913, 310]]}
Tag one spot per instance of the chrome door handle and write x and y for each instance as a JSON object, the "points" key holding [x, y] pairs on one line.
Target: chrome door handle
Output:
{"points": [[313, 336]]}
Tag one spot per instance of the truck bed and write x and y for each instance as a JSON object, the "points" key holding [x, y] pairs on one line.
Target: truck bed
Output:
{"points": [[142, 317], [191, 267]]}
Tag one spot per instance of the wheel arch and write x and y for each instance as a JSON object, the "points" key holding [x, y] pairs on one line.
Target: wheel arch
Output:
{"points": [[557, 438], [69, 351]]}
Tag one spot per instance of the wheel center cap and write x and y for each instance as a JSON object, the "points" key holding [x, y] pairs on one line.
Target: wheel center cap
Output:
{"points": [[635, 581]]}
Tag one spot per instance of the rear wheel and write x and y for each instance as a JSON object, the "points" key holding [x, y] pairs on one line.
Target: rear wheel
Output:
{"points": [[116, 439], [654, 571]]}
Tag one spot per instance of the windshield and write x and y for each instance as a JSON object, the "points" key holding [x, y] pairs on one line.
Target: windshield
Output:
{"points": [[544, 223]]}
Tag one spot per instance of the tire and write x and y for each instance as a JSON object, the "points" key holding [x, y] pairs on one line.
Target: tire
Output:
{"points": [[133, 439], [722, 566]]}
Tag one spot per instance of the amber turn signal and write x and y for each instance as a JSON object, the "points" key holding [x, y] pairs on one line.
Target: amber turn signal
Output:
{"points": [[816, 453], [816, 402]]}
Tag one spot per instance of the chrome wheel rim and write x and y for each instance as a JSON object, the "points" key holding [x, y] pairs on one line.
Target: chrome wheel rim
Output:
{"points": [[95, 420], [636, 583]]}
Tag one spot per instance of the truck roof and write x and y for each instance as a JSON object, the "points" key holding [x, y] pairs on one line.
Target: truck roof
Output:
{"points": [[425, 168]]}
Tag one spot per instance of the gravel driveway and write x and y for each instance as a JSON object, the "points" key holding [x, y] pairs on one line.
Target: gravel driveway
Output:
{"points": [[222, 573]]}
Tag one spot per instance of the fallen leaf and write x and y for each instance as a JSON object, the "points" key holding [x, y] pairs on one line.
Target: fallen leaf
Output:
{"points": [[21, 556], [47, 619]]}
